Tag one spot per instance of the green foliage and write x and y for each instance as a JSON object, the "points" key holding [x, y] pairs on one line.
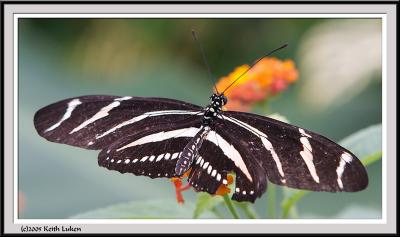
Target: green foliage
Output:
{"points": [[248, 209], [206, 202], [231, 208], [150, 209], [365, 142], [292, 197]]}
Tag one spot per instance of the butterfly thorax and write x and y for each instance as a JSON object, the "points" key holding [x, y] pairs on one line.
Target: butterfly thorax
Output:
{"points": [[214, 108]]}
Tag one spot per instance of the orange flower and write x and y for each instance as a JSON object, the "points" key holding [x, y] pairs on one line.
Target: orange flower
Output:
{"points": [[223, 188], [267, 78], [179, 188]]}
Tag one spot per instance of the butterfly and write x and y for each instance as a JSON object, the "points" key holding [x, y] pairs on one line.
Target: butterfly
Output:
{"points": [[165, 138]]}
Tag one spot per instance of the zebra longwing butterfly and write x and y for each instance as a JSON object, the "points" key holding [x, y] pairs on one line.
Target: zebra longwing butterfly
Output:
{"points": [[159, 137]]}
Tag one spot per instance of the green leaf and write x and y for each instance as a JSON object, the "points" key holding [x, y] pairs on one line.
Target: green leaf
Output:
{"points": [[150, 209], [279, 117], [206, 202], [271, 207], [366, 144]]}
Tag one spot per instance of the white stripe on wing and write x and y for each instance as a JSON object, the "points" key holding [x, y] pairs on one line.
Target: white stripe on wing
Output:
{"points": [[230, 151]]}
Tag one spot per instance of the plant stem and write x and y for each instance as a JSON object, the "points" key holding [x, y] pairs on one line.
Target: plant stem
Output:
{"points": [[288, 203], [250, 213], [230, 206], [216, 212], [293, 213], [271, 201]]}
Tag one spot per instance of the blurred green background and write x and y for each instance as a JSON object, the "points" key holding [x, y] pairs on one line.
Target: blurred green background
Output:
{"points": [[338, 92]]}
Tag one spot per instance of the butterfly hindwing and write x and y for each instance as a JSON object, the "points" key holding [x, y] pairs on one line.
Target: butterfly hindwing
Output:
{"points": [[220, 156], [295, 157], [94, 122], [210, 168], [250, 180], [155, 160], [152, 153]]}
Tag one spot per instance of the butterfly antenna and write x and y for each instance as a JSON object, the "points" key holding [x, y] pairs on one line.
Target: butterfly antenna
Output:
{"points": [[268, 54], [204, 59]]}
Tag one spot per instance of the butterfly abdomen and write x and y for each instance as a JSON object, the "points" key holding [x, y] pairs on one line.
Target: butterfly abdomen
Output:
{"points": [[191, 151]]}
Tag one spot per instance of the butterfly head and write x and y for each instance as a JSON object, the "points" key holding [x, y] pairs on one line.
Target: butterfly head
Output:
{"points": [[218, 100], [214, 108]]}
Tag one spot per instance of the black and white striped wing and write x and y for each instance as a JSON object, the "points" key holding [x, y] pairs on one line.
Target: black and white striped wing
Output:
{"points": [[153, 153], [221, 155], [94, 122], [292, 156], [147, 136]]}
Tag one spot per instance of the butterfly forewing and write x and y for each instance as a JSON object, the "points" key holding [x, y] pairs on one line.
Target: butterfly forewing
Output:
{"points": [[295, 157], [94, 122]]}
